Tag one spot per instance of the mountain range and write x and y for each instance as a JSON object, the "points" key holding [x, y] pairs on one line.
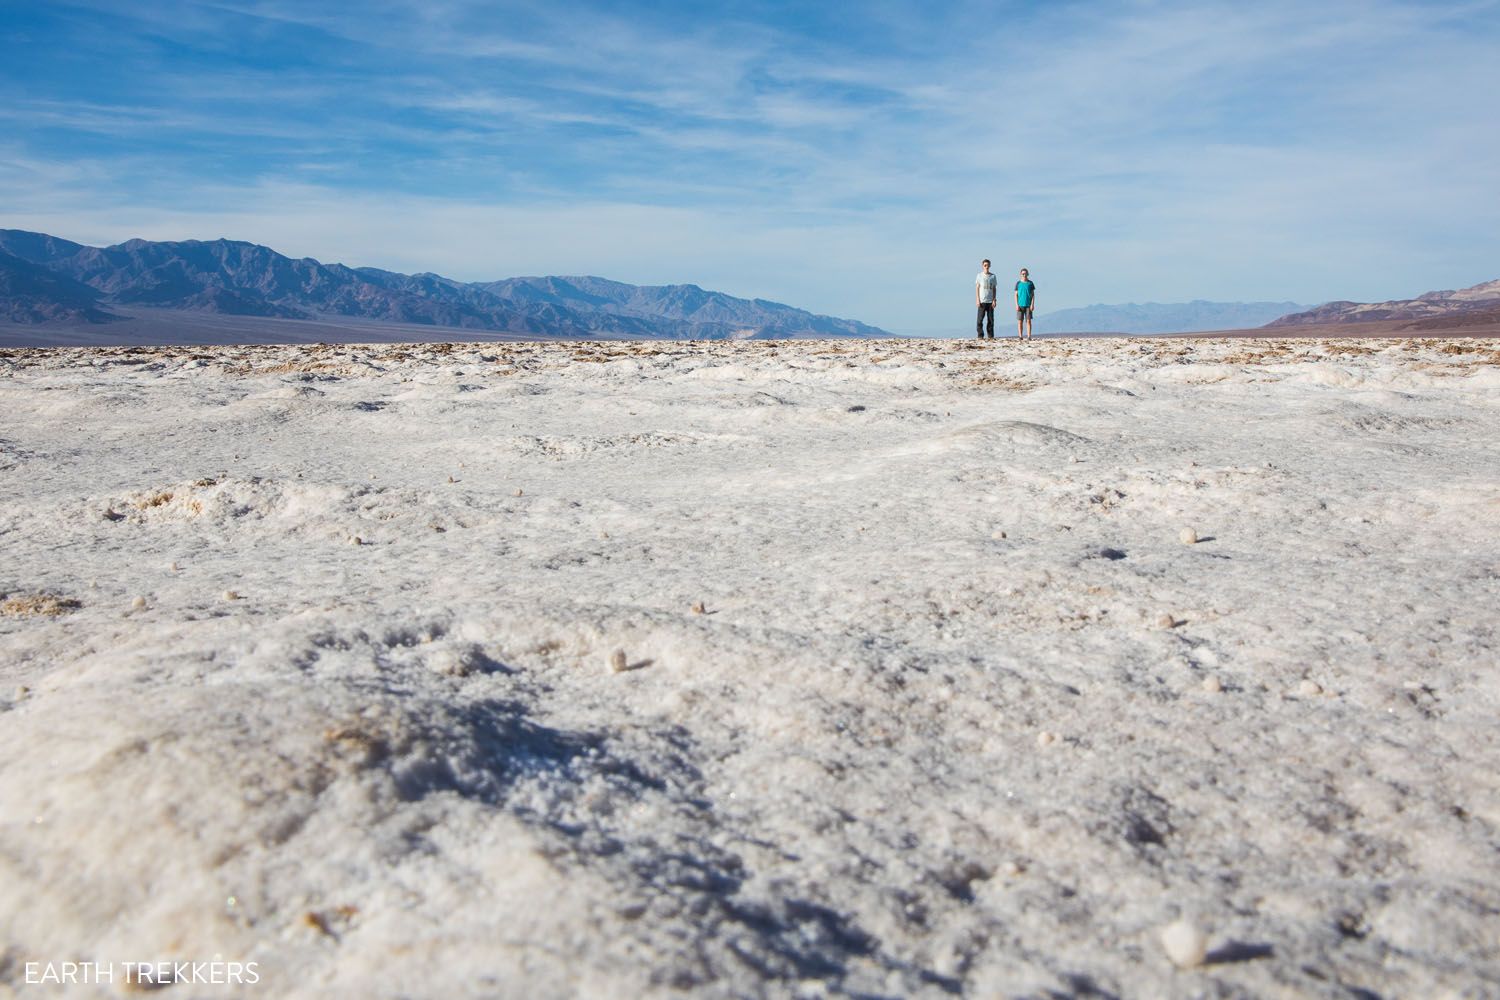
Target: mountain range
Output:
{"points": [[1474, 306], [47, 280], [1163, 317], [1464, 309], [229, 291]]}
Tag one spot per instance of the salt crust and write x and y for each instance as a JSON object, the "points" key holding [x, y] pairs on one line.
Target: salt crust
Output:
{"points": [[402, 768]]}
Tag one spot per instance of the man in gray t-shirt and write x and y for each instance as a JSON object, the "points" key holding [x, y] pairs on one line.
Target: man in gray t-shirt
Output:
{"points": [[984, 297]]}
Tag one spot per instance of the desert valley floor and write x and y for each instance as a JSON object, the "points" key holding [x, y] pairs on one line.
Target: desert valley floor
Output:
{"points": [[823, 668]]}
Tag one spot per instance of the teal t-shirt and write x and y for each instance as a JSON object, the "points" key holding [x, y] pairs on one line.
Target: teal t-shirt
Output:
{"points": [[1024, 290]]}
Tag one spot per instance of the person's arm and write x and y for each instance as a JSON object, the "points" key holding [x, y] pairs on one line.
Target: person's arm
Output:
{"points": [[976, 292]]}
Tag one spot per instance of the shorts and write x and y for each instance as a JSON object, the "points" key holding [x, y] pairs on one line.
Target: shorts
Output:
{"points": [[1024, 312]]}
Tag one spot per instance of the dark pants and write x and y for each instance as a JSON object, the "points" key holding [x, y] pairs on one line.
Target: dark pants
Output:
{"points": [[986, 314]]}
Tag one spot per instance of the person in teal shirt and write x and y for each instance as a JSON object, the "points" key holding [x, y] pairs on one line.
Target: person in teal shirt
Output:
{"points": [[1025, 304]]}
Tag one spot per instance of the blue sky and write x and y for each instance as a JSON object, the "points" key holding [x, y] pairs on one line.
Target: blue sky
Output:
{"points": [[856, 160]]}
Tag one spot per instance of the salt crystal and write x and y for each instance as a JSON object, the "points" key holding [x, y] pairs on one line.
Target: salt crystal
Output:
{"points": [[1185, 943], [1188, 536], [454, 662]]}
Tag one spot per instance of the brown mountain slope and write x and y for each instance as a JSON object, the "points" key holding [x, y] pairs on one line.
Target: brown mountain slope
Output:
{"points": [[1442, 309]]}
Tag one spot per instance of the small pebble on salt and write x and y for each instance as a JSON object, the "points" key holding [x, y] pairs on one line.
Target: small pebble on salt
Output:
{"points": [[1167, 621], [997, 536], [231, 595], [1045, 738], [1212, 685], [1185, 943], [617, 661], [698, 608], [356, 540], [1188, 536], [174, 567], [519, 491], [1309, 688], [138, 604]]}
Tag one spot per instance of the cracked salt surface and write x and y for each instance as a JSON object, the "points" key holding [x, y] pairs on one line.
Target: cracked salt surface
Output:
{"points": [[813, 668]]}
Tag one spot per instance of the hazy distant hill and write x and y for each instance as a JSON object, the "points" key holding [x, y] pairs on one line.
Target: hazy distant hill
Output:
{"points": [[1434, 309], [227, 277], [1163, 317]]}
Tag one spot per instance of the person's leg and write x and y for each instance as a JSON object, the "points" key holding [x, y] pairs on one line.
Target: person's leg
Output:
{"points": [[989, 320], [1029, 315], [1020, 323], [979, 322]]}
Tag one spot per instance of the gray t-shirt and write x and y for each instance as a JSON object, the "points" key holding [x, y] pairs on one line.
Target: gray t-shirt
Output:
{"points": [[985, 284]]}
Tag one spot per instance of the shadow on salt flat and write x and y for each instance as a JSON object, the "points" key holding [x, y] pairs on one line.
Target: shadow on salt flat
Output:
{"points": [[491, 752], [1233, 952]]}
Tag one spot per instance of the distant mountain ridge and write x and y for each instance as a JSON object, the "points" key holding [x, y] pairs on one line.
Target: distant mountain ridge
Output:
{"points": [[30, 293], [1477, 303], [46, 279], [1163, 317]]}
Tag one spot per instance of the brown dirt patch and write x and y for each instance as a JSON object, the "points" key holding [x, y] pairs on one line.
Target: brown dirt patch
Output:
{"points": [[46, 605]]}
